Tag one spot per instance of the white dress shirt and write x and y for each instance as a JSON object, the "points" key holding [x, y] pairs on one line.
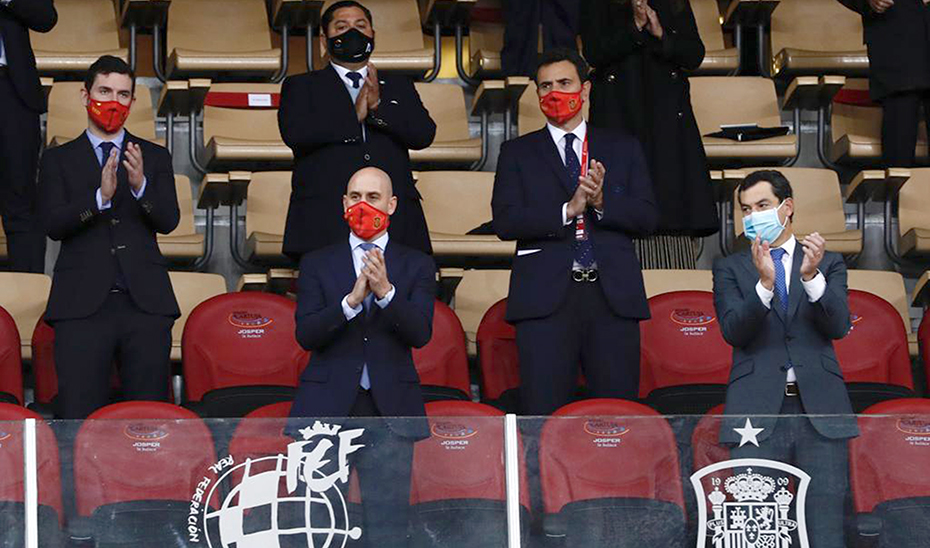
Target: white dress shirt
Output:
{"points": [[357, 253], [3, 61], [815, 288], [118, 143]]}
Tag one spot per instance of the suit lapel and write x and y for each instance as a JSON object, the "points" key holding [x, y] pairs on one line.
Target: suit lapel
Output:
{"points": [[548, 150], [750, 267], [338, 87], [87, 159], [390, 260], [796, 290], [344, 268], [122, 176]]}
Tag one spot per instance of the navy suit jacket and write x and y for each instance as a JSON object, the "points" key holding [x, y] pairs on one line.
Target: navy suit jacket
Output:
{"points": [[16, 20], [380, 338], [529, 190], [764, 341]]}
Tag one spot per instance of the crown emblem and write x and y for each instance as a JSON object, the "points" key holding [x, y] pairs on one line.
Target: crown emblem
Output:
{"points": [[749, 486], [320, 428]]}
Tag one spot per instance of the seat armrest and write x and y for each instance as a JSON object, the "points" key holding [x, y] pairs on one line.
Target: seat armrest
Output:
{"points": [[876, 184], [183, 97], [214, 191]]}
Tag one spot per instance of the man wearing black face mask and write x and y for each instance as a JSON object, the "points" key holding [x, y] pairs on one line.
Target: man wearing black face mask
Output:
{"points": [[343, 118]]}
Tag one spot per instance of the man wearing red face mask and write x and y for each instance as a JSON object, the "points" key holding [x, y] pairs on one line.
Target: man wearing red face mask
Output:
{"points": [[104, 196], [573, 198], [362, 304]]}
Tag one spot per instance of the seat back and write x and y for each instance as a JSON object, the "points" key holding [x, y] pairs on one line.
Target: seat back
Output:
{"points": [[707, 18], [241, 339], [885, 284], [818, 204], [443, 362], [11, 364], [24, 296], [478, 290], [83, 26], [497, 353], [182, 186], [446, 106], [259, 435], [875, 349], [923, 336], [463, 457], [397, 23], [144, 451], [578, 456], [220, 26], [43, 362], [11, 458], [455, 202], [67, 117], [682, 343], [191, 289], [854, 114], [705, 440], [800, 24], [486, 35], [268, 196], [914, 203], [723, 100], [242, 111], [529, 117], [659, 281], [889, 459]]}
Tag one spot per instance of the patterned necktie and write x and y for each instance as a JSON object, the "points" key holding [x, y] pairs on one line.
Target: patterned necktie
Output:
{"points": [[781, 285], [105, 148], [584, 251], [365, 381]]}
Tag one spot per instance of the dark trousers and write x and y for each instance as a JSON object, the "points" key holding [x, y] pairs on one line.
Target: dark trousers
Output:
{"points": [[582, 330], [86, 348], [383, 467], [559, 19], [20, 140], [899, 126], [795, 441]]}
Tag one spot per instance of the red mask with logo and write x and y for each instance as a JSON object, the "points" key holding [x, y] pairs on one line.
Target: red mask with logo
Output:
{"points": [[365, 220], [561, 106], [108, 115]]}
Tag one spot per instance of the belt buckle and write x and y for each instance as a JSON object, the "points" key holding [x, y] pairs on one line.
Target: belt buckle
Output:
{"points": [[584, 275], [791, 389]]}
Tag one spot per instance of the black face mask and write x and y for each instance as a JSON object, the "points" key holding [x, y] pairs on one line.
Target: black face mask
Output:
{"points": [[351, 46]]}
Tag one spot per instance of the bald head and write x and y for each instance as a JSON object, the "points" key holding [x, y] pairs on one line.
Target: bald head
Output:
{"points": [[371, 185]]}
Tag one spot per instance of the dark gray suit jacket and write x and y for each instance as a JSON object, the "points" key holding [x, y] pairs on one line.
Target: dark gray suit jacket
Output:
{"points": [[764, 342]]}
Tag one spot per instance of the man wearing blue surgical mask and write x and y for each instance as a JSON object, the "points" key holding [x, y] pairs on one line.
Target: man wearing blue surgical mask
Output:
{"points": [[780, 305]]}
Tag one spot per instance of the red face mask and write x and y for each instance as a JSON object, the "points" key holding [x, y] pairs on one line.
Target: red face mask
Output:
{"points": [[365, 220], [108, 115], [561, 106]]}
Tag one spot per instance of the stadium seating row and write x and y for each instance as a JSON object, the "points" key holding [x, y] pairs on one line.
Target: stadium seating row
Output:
{"points": [[117, 495]]}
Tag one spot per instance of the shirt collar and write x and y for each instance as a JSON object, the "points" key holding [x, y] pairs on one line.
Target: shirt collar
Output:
{"points": [[342, 71], [380, 241], [95, 141], [789, 246], [557, 133]]}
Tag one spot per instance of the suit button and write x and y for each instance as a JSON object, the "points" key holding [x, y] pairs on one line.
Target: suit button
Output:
{"points": [[611, 77], [681, 114], [365, 339], [368, 157], [114, 222], [674, 75], [112, 251], [358, 369]]}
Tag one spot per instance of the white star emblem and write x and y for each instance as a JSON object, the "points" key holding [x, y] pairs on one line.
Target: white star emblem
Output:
{"points": [[748, 434]]}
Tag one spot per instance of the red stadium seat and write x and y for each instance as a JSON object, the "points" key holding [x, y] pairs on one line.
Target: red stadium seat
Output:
{"points": [[888, 466], [458, 479], [705, 440], [685, 363], [443, 363], [497, 359], [874, 355], [239, 353], [11, 365], [11, 478], [136, 471], [923, 337], [610, 476]]}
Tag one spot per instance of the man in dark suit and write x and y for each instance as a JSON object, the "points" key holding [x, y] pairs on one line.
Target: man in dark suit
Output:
{"points": [[780, 305], [897, 34], [576, 290], [104, 196], [522, 19], [345, 117], [362, 305], [22, 102]]}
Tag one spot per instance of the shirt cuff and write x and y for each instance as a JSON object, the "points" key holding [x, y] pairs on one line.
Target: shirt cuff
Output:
{"points": [[565, 220], [101, 206], [386, 300], [765, 295], [816, 287], [139, 194], [348, 311]]}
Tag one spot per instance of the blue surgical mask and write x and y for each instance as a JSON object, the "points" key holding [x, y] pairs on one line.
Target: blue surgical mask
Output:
{"points": [[764, 224]]}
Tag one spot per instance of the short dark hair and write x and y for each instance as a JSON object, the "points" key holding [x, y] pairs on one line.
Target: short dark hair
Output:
{"points": [[780, 185], [108, 64], [557, 55], [330, 12]]}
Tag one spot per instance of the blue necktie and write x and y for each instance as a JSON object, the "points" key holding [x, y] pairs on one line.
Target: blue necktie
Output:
{"points": [[781, 286], [365, 381], [105, 148], [584, 251]]}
